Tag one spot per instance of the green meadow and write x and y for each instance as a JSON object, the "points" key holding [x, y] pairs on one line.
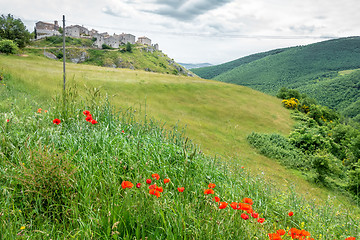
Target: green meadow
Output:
{"points": [[158, 114]]}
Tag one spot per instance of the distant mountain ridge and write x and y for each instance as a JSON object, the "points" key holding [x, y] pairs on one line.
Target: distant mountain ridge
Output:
{"points": [[195, 65], [312, 69]]}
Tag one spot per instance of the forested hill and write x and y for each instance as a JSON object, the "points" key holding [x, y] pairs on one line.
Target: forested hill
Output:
{"points": [[312, 69], [213, 71]]}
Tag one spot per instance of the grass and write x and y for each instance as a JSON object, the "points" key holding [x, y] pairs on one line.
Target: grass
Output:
{"points": [[217, 116], [80, 195]]}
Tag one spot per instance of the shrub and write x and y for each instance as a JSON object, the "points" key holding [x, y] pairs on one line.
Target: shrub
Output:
{"points": [[291, 103], [8, 47], [104, 46]]}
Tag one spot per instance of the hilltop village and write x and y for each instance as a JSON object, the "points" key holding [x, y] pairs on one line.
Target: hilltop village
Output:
{"points": [[44, 29]]}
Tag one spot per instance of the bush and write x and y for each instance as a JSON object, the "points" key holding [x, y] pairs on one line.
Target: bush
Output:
{"points": [[8, 47], [104, 46]]}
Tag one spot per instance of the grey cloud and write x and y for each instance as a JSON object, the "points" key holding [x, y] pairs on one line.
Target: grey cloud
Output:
{"points": [[302, 29], [186, 10]]}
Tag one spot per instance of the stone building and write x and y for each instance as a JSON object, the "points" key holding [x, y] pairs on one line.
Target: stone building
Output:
{"points": [[44, 29], [144, 40], [76, 31], [113, 41]]}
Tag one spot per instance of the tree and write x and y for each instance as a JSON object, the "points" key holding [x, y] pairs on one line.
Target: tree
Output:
{"points": [[14, 29], [128, 47]]}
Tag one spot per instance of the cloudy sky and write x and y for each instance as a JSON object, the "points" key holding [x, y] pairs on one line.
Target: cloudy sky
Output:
{"points": [[195, 31]]}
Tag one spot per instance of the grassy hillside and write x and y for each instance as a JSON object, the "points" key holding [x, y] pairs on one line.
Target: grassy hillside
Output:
{"points": [[139, 57], [75, 186], [312, 69]]}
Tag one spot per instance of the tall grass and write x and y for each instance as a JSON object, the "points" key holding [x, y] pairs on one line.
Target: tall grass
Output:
{"points": [[92, 160]]}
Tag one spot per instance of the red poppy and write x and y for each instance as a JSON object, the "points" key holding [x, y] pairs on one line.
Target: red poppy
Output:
{"points": [[274, 236], [154, 192], [261, 220], [255, 215], [86, 113], [152, 186], [126, 184], [281, 232], [216, 199], [248, 201], [166, 180], [245, 207], [211, 185], [88, 118], [223, 205], [234, 205], [156, 176], [123, 131], [291, 213], [7, 120], [159, 189], [148, 181], [208, 191], [181, 189], [94, 121], [39, 110], [56, 121], [350, 238], [242, 167], [244, 216], [138, 185]]}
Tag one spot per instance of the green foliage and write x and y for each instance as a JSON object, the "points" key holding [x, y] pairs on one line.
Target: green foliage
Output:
{"points": [[128, 47], [46, 180], [122, 147], [14, 29], [213, 71], [8, 47], [104, 46], [313, 69]]}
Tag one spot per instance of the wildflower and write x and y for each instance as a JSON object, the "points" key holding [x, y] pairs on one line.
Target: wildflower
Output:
{"points": [[248, 201], [159, 189], [156, 176], [181, 189], [94, 121], [261, 220], [216, 199], [138, 185], [154, 192], [234, 205], [22, 228], [46, 111], [223, 205], [152, 186], [166, 180], [290, 214], [56, 121], [86, 113], [255, 215], [274, 236], [281, 232], [244, 216], [350, 238], [245, 207], [88, 118], [7, 120], [126, 184], [123, 131], [39, 110], [148, 181], [242, 167], [208, 191], [211, 185]]}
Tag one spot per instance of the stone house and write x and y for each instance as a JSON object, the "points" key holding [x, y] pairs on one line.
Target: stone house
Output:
{"points": [[44, 29], [76, 31], [144, 40], [114, 41]]}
